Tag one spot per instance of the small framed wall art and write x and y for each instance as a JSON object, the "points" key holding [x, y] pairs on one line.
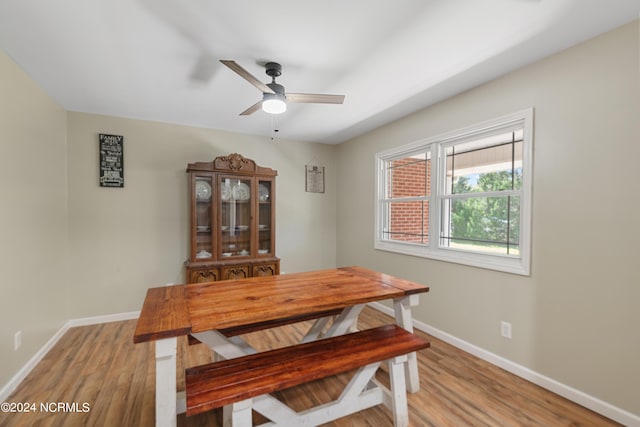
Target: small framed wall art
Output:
{"points": [[314, 179], [111, 160]]}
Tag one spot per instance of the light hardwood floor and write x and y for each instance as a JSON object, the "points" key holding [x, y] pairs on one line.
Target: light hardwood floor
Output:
{"points": [[99, 365]]}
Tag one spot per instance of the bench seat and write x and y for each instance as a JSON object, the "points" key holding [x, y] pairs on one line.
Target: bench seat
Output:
{"points": [[225, 382]]}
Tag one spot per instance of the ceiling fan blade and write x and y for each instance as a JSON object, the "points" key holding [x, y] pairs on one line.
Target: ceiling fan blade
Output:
{"points": [[314, 98], [255, 107], [233, 65]]}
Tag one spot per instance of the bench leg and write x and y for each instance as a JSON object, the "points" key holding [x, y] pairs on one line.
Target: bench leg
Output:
{"points": [[399, 404], [237, 414], [356, 396], [362, 392]]}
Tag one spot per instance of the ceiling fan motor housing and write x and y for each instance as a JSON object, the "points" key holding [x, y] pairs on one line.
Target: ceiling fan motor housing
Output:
{"points": [[277, 88], [273, 69]]}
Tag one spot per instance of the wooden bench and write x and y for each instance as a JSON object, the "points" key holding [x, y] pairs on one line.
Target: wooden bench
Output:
{"points": [[246, 382]]}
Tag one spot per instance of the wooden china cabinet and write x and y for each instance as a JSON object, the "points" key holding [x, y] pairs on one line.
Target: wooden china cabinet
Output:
{"points": [[232, 220]]}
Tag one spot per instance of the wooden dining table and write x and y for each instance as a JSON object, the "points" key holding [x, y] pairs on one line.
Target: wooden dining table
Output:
{"points": [[216, 313]]}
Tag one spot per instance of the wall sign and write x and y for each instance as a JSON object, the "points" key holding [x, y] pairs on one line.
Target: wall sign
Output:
{"points": [[315, 179], [111, 161]]}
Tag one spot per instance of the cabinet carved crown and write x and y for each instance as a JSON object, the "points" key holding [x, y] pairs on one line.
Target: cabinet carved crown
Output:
{"points": [[233, 163]]}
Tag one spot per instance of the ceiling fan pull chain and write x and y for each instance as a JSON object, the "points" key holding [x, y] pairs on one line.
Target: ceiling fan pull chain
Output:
{"points": [[274, 128]]}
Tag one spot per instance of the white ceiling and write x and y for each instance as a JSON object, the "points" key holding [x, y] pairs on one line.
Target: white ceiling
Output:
{"points": [[158, 59]]}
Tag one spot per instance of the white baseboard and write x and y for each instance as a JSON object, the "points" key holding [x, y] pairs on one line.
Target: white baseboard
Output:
{"points": [[603, 408], [15, 381], [24, 371], [86, 321]]}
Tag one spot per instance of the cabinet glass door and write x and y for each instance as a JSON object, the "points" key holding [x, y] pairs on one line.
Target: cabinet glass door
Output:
{"points": [[265, 197], [203, 192], [235, 217]]}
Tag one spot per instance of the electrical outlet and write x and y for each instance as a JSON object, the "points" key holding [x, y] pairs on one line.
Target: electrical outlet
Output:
{"points": [[505, 329], [17, 340]]}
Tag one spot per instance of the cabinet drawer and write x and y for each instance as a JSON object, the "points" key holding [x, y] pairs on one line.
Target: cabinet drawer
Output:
{"points": [[241, 271], [270, 269], [200, 275]]}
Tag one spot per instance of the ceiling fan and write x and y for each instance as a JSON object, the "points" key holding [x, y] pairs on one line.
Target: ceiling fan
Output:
{"points": [[274, 99]]}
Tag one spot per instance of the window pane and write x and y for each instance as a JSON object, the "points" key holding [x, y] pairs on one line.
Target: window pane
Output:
{"points": [[482, 224], [487, 164], [408, 177], [407, 222]]}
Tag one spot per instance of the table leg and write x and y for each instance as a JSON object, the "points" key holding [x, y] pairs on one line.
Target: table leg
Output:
{"points": [[316, 329], [166, 382], [345, 321], [228, 348], [402, 309]]}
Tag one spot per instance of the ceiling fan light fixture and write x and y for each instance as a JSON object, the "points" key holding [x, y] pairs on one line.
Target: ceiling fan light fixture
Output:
{"points": [[273, 104]]}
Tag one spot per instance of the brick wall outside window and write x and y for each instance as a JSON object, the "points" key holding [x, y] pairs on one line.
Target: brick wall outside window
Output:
{"points": [[409, 220]]}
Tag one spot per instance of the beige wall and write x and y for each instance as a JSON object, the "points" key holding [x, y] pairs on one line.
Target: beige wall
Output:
{"points": [[33, 217], [576, 318], [122, 241]]}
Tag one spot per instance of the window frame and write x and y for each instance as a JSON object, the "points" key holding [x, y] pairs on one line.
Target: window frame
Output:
{"points": [[436, 146]]}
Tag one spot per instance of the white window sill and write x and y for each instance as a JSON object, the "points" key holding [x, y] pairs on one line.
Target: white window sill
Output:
{"points": [[503, 263]]}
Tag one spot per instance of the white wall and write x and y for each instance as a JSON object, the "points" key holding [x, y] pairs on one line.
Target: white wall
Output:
{"points": [[575, 319], [124, 240], [33, 217]]}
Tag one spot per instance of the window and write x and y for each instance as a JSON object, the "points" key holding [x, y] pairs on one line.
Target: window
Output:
{"points": [[463, 197]]}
